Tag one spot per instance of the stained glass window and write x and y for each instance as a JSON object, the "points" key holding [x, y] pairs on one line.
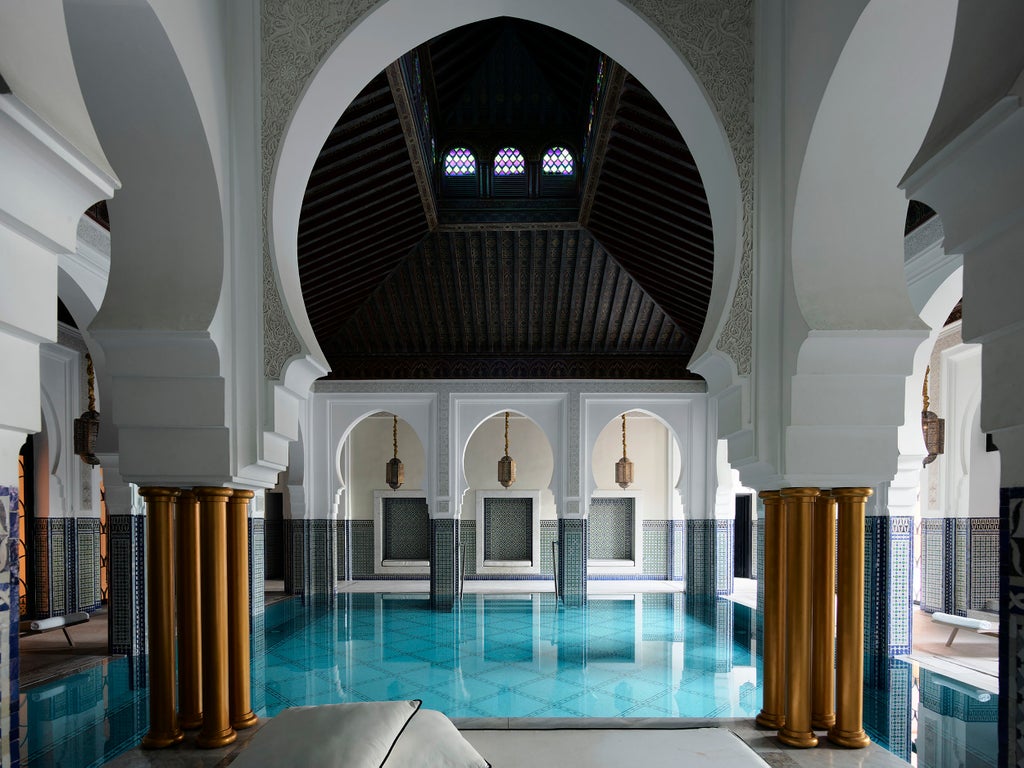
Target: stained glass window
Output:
{"points": [[558, 160], [509, 162], [459, 162]]}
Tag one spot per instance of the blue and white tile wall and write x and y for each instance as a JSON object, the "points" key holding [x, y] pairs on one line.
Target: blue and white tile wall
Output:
{"points": [[444, 563], [959, 564], [709, 557], [888, 584], [310, 563], [126, 618], [572, 561], [9, 714], [655, 542], [88, 534], [1010, 729], [888, 704], [677, 550], [257, 569], [610, 529]]}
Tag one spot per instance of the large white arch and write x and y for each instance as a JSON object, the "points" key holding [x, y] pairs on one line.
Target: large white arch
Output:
{"points": [[849, 213], [399, 25]]}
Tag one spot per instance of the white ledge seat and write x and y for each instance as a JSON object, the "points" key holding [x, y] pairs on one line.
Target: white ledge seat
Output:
{"points": [[60, 622], [980, 626]]}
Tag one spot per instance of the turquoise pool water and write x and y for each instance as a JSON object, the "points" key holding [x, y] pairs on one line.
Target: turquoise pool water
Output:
{"points": [[655, 655]]}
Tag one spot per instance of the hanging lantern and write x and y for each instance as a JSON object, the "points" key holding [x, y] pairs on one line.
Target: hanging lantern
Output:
{"points": [[506, 465], [623, 467], [395, 470], [932, 426], [87, 426]]}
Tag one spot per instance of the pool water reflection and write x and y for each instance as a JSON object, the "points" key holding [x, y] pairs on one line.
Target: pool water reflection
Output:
{"points": [[652, 655]]}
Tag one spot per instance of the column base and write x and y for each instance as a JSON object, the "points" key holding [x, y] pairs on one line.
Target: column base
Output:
{"points": [[190, 722], [850, 739], [799, 739], [823, 722], [216, 740], [248, 720], [155, 740], [770, 720]]}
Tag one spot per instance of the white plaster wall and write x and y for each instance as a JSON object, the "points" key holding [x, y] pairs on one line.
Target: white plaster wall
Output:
{"points": [[648, 447], [370, 449], [527, 445]]}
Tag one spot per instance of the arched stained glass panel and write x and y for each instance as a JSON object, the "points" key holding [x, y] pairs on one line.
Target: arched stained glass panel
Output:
{"points": [[509, 162], [459, 162], [558, 160]]}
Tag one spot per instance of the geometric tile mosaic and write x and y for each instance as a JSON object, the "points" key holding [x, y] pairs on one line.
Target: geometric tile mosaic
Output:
{"points": [[888, 574], [406, 533], [572, 561], [444, 563], [126, 601], [656, 548], [508, 529], [610, 532]]}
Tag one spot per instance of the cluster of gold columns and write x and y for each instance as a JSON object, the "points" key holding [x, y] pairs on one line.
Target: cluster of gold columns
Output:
{"points": [[814, 659], [198, 552]]}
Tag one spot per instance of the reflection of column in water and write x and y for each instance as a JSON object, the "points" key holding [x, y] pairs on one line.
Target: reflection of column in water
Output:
{"points": [[888, 684], [572, 635]]}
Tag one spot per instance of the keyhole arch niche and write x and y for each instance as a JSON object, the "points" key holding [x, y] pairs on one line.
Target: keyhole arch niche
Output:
{"points": [[503, 525], [684, 419]]}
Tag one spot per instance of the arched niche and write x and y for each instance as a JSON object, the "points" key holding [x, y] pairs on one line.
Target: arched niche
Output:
{"points": [[469, 411], [336, 416], [508, 521], [684, 416]]}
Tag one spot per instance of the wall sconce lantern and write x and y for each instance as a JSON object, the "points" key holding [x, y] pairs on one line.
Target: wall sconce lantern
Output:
{"points": [[506, 464], [623, 467], [932, 426], [395, 470], [87, 426]]}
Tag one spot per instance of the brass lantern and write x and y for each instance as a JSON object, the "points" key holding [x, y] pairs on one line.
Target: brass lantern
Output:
{"points": [[87, 426], [932, 426], [506, 464], [395, 470], [623, 467]]}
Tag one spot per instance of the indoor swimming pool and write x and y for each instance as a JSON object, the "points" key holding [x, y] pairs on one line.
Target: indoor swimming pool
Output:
{"points": [[644, 655]]}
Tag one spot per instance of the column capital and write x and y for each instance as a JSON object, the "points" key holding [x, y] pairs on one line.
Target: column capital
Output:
{"points": [[769, 496], [240, 493], [187, 494], [159, 493], [213, 493], [808, 493], [852, 493]]}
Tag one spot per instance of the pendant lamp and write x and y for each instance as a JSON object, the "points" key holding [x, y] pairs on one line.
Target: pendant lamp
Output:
{"points": [[87, 426], [506, 465], [623, 467], [395, 470], [932, 426]]}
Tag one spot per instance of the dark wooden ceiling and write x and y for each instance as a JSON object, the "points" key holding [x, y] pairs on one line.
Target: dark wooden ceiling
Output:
{"points": [[618, 288]]}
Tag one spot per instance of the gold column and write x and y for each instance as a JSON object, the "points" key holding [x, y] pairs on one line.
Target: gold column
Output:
{"points": [[798, 505], [773, 712], [242, 715], [216, 730], [163, 715], [190, 656], [823, 611], [849, 728]]}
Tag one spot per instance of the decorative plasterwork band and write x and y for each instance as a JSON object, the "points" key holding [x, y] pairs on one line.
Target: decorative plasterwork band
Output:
{"points": [[714, 36]]}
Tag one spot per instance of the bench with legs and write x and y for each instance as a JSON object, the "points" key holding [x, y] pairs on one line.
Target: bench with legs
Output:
{"points": [[980, 626], [59, 622]]}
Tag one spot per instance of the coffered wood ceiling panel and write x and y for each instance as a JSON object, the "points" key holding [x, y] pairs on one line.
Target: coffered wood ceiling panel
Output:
{"points": [[623, 295]]}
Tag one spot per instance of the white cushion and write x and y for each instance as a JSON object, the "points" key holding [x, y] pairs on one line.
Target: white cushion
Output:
{"points": [[358, 735], [961, 621], [430, 740]]}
